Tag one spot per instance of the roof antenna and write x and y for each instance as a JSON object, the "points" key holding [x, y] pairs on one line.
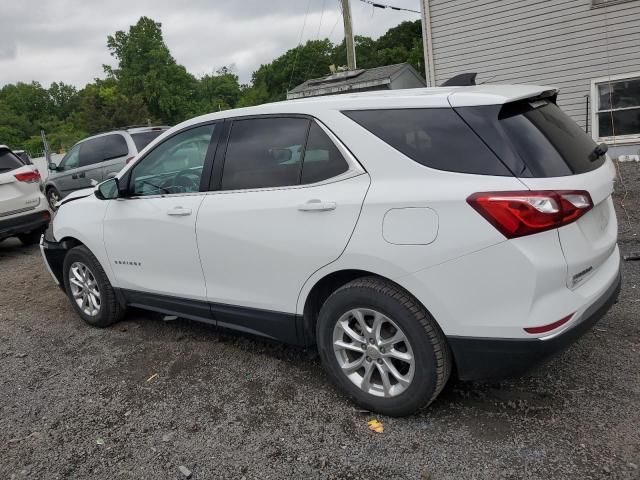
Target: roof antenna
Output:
{"points": [[462, 80]]}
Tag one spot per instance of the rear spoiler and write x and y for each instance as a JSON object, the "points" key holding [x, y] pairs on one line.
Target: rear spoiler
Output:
{"points": [[500, 94]]}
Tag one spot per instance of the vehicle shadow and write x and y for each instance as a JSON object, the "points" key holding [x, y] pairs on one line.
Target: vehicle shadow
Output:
{"points": [[12, 247]]}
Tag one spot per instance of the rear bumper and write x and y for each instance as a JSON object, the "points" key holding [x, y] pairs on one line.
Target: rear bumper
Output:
{"points": [[24, 223], [490, 358]]}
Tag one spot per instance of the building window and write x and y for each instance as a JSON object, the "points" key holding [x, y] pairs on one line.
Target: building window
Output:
{"points": [[605, 3], [616, 104]]}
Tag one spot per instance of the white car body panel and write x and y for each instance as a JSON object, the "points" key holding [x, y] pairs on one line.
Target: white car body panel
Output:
{"points": [[255, 249]]}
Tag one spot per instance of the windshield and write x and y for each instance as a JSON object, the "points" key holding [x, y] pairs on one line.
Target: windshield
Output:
{"points": [[145, 138]]}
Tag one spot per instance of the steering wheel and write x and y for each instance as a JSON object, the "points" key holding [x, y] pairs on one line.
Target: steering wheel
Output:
{"points": [[187, 180]]}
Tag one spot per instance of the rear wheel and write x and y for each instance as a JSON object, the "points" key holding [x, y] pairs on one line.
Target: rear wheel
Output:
{"points": [[89, 289], [382, 347]]}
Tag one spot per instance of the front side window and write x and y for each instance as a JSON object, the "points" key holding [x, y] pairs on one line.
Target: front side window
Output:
{"points": [[618, 108], [72, 159], [264, 152], [102, 148], [174, 166]]}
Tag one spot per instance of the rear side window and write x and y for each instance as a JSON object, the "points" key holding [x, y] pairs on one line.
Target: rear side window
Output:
{"points": [[437, 138], [537, 135], [102, 148], [264, 152], [8, 161], [143, 139]]}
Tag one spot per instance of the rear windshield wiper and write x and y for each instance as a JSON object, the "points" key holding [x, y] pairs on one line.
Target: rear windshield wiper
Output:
{"points": [[599, 151]]}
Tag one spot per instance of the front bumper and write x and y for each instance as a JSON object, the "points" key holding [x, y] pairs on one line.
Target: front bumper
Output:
{"points": [[53, 254], [490, 358], [24, 223]]}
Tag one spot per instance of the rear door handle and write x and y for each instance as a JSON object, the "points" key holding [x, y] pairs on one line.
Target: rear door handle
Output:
{"points": [[179, 212], [317, 206]]}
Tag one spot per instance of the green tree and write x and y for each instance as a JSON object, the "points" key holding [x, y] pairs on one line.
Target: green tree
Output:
{"points": [[146, 69]]}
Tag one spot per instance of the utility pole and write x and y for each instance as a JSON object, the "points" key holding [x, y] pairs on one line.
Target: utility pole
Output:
{"points": [[429, 69], [348, 35]]}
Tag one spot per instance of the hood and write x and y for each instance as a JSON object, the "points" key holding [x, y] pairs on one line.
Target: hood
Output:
{"points": [[78, 194]]}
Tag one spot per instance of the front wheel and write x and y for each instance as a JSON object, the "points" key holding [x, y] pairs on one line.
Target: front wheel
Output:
{"points": [[53, 197], [382, 347], [89, 289]]}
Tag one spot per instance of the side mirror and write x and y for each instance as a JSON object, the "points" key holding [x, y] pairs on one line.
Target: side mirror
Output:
{"points": [[108, 190], [53, 167]]}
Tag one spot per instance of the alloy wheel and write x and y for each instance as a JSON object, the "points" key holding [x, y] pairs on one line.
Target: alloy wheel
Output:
{"points": [[373, 352], [84, 289]]}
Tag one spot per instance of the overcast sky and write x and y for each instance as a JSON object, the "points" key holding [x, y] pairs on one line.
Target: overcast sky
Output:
{"points": [[65, 40]]}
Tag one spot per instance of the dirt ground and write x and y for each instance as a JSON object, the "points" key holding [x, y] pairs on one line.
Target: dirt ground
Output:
{"points": [[144, 397]]}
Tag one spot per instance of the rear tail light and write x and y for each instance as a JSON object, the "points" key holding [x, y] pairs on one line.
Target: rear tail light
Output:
{"points": [[551, 326], [517, 214], [28, 177]]}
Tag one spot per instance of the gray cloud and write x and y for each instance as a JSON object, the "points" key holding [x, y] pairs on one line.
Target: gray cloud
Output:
{"points": [[65, 40]]}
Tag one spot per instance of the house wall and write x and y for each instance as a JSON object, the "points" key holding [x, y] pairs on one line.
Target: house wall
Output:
{"points": [[561, 43]]}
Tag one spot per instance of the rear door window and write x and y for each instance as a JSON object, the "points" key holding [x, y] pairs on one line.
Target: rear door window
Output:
{"points": [[264, 153], [322, 159], [8, 161], [536, 134], [102, 148], [437, 138]]}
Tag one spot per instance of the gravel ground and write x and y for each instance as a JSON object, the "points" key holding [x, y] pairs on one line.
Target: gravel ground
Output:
{"points": [[146, 397]]}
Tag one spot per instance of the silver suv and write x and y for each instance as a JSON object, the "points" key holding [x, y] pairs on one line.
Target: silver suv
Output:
{"points": [[95, 159]]}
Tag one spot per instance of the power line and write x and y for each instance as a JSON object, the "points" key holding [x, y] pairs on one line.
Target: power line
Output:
{"points": [[385, 6], [295, 58]]}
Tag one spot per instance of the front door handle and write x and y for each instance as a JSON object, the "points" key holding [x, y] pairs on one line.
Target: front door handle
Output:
{"points": [[75, 176], [317, 206], [179, 212]]}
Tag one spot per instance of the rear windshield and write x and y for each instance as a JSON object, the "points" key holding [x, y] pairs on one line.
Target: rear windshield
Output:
{"points": [[8, 161], [145, 138], [535, 138], [437, 138]]}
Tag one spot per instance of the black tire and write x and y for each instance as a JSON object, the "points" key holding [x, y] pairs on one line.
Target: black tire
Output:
{"points": [[431, 353], [110, 311], [53, 196], [30, 238]]}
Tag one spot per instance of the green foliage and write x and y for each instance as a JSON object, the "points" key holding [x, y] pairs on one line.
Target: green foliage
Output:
{"points": [[147, 85]]}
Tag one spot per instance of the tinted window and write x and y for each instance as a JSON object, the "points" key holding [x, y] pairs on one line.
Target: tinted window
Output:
{"points": [[264, 152], [174, 166], [103, 148], [536, 134], [145, 138], [322, 159], [24, 156], [436, 137], [8, 161]]}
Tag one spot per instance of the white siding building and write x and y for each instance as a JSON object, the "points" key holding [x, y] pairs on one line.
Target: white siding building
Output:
{"points": [[589, 49]]}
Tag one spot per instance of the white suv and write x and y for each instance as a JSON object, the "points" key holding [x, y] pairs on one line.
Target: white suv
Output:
{"points": [[407, 234], [23, 208]]}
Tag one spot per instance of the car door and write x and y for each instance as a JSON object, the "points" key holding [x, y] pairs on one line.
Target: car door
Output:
{"points": [[282, 208], [94, 153], [119, 150], [150, 234], [68, 165]]}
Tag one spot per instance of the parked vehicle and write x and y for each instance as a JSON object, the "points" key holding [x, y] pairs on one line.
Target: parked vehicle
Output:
{"points": [[23, 156], [407, 234], [23, 208], [95, 159]]}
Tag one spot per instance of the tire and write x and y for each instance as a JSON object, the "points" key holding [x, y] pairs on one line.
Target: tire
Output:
{"points": [[53, 196], [399, 314], [109, 310], [30, 238]]}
